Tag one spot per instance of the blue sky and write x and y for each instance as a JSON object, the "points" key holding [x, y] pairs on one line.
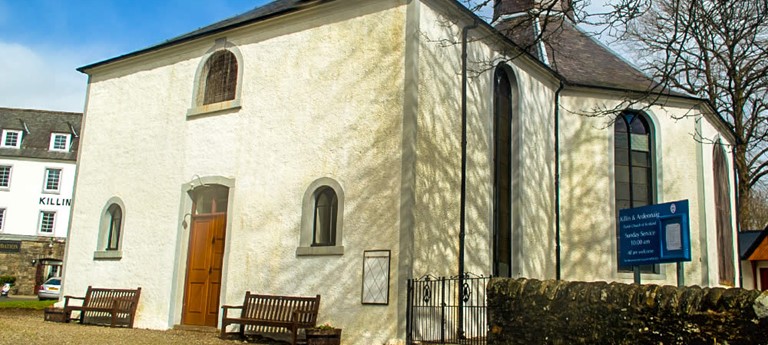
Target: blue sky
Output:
{"points": [[44, 41]]}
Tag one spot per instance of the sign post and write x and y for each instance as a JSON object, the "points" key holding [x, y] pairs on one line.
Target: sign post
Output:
{"points": [[655, 234]]}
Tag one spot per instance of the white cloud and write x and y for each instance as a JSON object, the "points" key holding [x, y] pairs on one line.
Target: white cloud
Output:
{"points": [[40, 78]]}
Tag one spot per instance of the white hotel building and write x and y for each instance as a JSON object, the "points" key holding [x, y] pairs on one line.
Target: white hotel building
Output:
{"points": [[38, 150]]}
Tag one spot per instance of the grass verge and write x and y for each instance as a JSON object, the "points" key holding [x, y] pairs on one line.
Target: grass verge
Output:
{"points": [[30, 304]]}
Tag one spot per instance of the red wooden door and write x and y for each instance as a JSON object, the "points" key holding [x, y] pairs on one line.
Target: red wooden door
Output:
{"points": [[763, 279]]}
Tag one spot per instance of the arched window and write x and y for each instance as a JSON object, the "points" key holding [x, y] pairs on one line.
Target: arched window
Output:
{"points": [[220, 77], [502, 186], [634, 166], [723, 216], [115, 215], [326, 206], [322, 219], [111, 230]]}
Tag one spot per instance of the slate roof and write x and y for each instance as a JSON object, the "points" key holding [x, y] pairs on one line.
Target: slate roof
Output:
{"points": [[749, 241], [574, 55], [578, 57], [273, 9], [40, 124]]}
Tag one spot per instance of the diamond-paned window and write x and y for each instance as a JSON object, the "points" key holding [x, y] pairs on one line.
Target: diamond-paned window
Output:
{"points": [[376, 277]]}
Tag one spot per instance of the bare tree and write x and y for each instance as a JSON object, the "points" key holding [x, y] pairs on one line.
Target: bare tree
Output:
{"points": [[716, 50], [713, 49], [758, 205]]}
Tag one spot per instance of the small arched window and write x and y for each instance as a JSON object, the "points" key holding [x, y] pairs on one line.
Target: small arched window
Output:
{"points": [[322, 219], [326, 206], [111, 230], [220, 77], [115, 215]]}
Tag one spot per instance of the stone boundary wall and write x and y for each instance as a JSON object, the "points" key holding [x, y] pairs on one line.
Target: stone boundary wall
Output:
{"points": [[528, 311]]}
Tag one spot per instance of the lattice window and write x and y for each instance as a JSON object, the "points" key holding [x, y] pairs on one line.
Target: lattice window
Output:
{"points": [[2, 219], [220, 77], [376, 277]]}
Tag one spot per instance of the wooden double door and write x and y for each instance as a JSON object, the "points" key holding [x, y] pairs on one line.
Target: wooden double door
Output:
{"points": [[205, 257]]}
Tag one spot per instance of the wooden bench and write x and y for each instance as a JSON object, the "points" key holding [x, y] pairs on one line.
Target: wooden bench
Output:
{"points": [[113, 307], [292, 313]]}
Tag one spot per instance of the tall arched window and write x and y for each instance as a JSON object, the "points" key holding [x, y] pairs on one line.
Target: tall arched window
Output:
{"points": [[115, 215], [723, 216], [506, 235], [634, 166], [326, 206], [220, 77]]}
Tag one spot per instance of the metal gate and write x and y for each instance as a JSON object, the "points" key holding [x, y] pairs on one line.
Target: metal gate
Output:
{"points": [[433, 310]]}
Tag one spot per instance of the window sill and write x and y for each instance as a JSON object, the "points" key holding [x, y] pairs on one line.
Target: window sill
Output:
{"points": [[107, 255], [318, 251], [213, 108]]}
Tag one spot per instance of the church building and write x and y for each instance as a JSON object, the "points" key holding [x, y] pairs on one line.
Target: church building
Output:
{"points": [[317, 147]]}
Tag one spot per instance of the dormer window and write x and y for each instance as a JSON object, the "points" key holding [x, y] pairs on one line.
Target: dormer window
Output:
{"points": [[11, 139], [59, 142]]}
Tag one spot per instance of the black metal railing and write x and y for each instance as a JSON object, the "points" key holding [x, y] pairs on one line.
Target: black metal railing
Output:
{"points": [[433, 310]]}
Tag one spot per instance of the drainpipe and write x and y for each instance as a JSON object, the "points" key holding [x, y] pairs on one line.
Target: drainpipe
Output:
{"points": [[557, 180], [736, 196], [462, 215]]}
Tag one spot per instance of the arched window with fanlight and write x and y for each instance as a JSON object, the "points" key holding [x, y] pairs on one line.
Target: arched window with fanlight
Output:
{"points": [[634, 171]]}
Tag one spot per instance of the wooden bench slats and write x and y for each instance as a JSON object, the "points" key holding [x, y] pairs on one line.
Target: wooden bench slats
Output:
{"points": [[260, 311], [102, 305]]}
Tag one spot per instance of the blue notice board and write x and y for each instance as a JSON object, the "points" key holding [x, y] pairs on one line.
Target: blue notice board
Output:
{"points": [[654, 234]]}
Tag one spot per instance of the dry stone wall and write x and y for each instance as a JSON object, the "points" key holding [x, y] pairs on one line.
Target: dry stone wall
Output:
{"points": [[528, 311]]}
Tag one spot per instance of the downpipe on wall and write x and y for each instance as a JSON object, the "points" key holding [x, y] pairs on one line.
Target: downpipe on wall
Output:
{"points": [[462, 214], [557, 180]]}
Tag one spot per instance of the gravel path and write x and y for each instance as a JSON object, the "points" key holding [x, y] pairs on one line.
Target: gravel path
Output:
{"points": [[26, 327]]}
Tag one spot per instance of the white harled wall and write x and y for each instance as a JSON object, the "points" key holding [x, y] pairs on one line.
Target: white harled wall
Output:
{"points": [[321, 97], [367, 94], [683, 137]]}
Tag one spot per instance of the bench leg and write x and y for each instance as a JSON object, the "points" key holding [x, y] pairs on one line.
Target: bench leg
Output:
{"points": [[223, 330]]}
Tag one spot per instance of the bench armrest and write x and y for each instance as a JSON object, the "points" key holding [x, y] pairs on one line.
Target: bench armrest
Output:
{"points": [[225, 308], [67, 298]]}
